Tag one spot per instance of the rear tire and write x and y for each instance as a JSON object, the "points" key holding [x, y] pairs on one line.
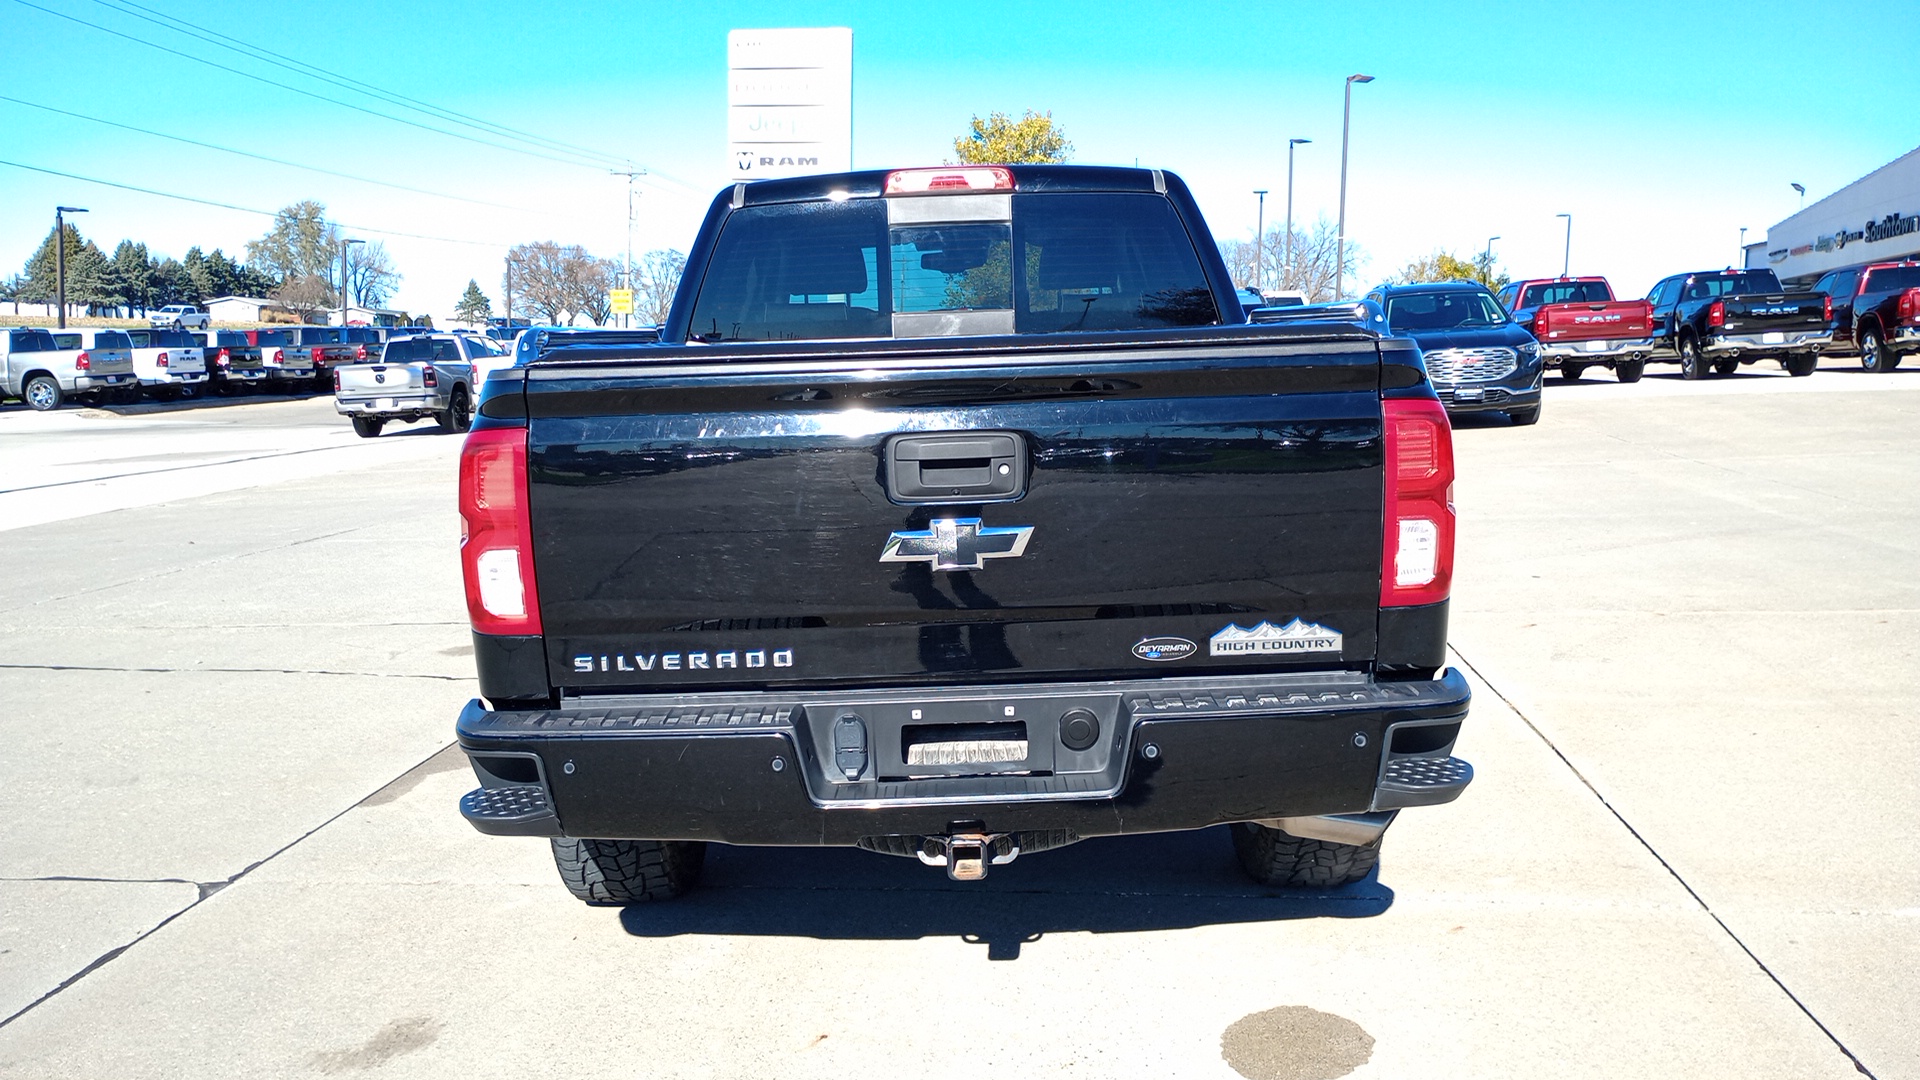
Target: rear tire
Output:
{"points": [[42, 393], [1572, 372], [1725, 367], [1629, 370], [1272, 857], [1801, 365], [1693, 366], [603, 872], [1874, 354], [458, 416], [1524, 417], [368, 427]]}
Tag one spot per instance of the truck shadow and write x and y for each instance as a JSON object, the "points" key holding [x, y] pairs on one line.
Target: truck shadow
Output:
{"points": [[1108, 885]]}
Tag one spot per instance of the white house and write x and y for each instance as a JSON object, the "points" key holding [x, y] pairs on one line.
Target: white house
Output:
{"points": [[244, 309]]}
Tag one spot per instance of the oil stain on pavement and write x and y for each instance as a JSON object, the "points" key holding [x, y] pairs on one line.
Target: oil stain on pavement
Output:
{"points": [[1294, 1042]]}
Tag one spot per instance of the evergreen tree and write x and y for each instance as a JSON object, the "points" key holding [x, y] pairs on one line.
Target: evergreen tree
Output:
{"points": [[135, 272], [474, 307]]}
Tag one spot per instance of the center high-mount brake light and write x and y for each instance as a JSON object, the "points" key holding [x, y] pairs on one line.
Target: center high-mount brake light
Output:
{"points": [[949, 181], [1416, 554], [496, 534]]}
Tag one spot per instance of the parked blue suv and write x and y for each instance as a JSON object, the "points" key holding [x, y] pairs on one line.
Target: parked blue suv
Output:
{"points": [[1479, 359]]}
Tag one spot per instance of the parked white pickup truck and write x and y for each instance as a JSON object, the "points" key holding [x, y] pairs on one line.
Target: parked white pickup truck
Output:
{"points": [[44, 368], [416, 377], [179, 317], [170, 363]]}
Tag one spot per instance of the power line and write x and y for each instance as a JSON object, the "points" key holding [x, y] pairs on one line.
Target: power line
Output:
{"points": [[261, 157], [257, 52], [306, 93], [242, 209]]}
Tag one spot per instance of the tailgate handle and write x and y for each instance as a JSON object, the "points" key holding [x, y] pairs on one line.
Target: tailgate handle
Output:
{"points": [[969, 466]]}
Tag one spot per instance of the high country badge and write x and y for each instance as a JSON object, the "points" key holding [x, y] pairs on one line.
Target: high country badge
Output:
{"points": [[1267, 639]]}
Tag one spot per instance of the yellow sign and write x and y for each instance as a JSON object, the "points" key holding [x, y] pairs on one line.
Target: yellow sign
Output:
{"points": [[622, 300]]}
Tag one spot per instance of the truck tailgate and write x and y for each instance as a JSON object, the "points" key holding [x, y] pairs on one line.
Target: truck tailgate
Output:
{"points": [[1208, 503], [1595, 321], [1759, 314], [377, 380]]}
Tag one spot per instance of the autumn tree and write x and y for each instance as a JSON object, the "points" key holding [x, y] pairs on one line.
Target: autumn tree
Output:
{"points": [[1443, 265], [474, 308], [1033, 139]]}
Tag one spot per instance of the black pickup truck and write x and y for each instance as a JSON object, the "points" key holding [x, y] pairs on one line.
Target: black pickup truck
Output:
{"points": [[958, 513], [1716, 320]]}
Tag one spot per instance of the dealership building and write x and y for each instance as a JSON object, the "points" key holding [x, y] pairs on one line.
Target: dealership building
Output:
{"points": [[1874, 219]]}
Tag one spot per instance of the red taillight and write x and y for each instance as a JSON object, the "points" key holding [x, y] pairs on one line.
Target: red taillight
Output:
{"points": [[1717, 314], [360, 353], [930, 181], [1416, 556], [1540, 323], [496, 548], [1826, 308], [279, 356], [83, 362], [1909, 305], [336, 380], [224, 358], [428, 376], [161, 360]]}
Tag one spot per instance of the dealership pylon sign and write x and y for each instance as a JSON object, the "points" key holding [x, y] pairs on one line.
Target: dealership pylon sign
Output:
{"points": [[789, 102]]}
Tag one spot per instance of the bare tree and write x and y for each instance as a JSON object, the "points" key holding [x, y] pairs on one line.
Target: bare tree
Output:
{"points": [[658, 277], [371, 277], [539, 278], [306, 295], [1311, 272], [587, 282]]}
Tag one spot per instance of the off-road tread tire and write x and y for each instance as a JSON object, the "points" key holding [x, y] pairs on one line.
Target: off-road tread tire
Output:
{"points": [[1273, 857], [368, 427], [1629, 371], [1801, 365], [612, 872]]}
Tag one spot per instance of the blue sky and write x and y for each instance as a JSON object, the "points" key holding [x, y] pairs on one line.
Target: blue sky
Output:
{"points": [[1662, 128]]}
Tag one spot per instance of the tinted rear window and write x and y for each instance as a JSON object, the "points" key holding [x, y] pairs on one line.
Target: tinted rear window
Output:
{"points": [[320, 335], [1068, 262], [1567, 292], [1893, 277], [112, 339], [179, 339], [30, 341], [1738, 283]]}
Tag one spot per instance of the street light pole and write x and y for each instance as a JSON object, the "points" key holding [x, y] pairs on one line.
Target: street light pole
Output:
{"points": [[1743, 247], [1286, 261], [60, 256], [1566, 258], [1260, 242], [1802, 189], [344, 245], [1346, 116], [1489, 268]]}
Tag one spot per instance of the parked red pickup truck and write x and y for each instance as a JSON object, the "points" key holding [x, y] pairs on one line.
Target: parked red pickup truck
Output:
{"points": [[1580, 325]]}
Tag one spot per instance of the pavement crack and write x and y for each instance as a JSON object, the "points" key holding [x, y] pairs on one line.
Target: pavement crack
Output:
{"points": [[230, 671], [1661, 859], [174, 468], [207, 890]]}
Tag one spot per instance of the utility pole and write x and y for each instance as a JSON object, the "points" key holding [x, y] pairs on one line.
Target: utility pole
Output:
{"points": [[1286, 262], [509, 289], [1566, 257], [1346, 116], [1489, 270], [60, 256], [630, 173], [1260, 242]]}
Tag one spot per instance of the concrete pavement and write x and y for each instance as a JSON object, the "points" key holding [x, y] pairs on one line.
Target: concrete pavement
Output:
{"points": [[1688, 610]]}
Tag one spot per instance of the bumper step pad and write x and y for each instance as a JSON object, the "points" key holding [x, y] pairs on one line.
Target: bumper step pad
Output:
{"points": [[520, 810], [1421, 781]]}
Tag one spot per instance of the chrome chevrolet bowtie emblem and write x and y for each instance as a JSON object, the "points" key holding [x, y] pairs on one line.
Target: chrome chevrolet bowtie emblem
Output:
{"points": [[957, 544]]}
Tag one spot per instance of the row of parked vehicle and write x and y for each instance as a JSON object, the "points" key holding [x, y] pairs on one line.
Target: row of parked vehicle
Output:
{"points": [[46, 367], [1488, 352]]}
